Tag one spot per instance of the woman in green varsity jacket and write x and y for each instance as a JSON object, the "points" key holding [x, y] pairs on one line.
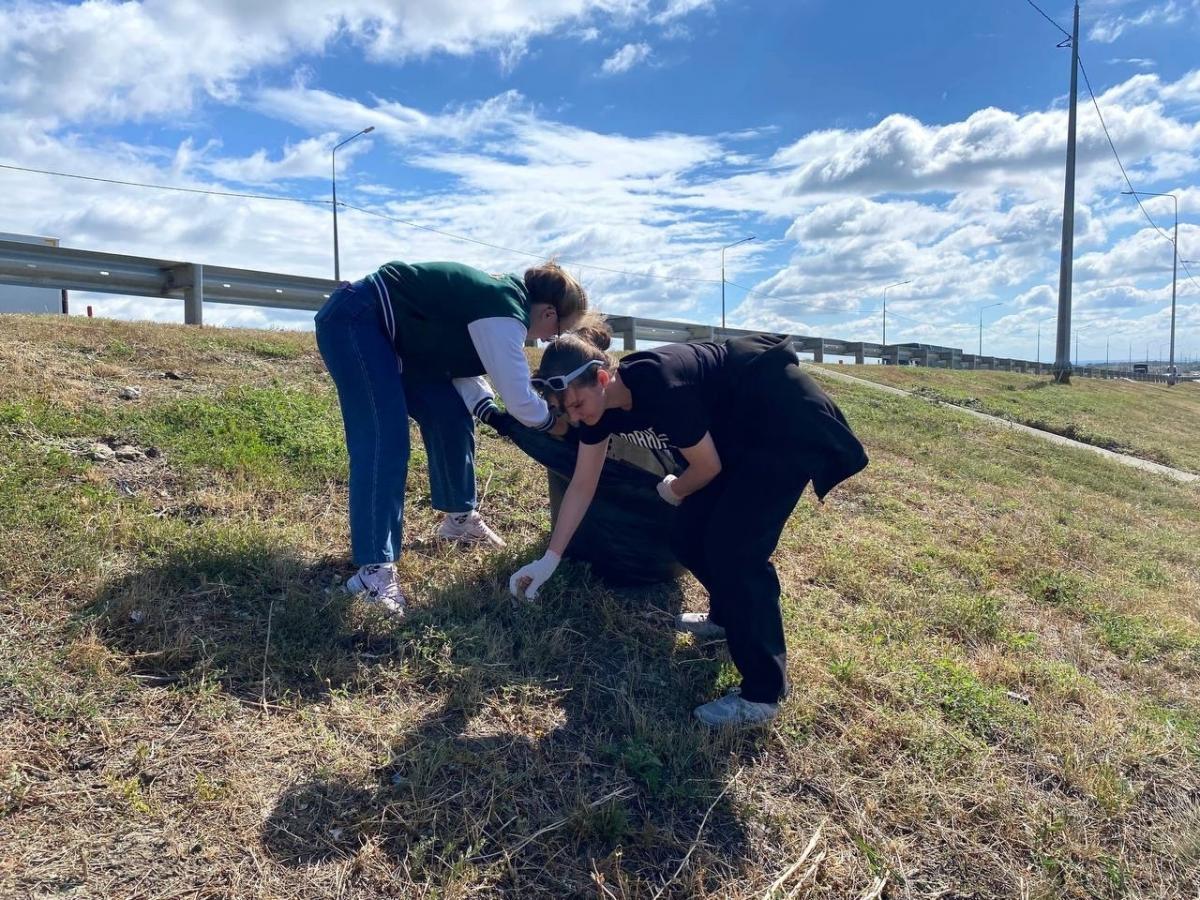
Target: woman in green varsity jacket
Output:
{"points": [[416, 339]]}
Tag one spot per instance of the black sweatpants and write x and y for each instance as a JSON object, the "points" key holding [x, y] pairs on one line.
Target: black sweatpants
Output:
{"points": [[725, 536], [726, 532]]}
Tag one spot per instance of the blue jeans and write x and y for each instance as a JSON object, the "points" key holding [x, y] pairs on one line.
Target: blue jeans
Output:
{"points": [[377, 398]]}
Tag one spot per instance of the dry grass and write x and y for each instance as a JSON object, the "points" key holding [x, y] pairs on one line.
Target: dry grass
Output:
{"points": [[1152, 421], [994, 647]]}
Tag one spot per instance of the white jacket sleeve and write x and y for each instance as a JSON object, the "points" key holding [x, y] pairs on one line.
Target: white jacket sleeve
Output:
{"points": [[500, 343], [476, 393]]}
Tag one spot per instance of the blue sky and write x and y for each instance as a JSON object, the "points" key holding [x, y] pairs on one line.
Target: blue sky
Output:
{"points": [[863, 144]]}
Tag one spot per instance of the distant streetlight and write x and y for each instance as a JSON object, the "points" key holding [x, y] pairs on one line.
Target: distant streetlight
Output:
{"points": [[885, 290], [723, 249], [337, 269], [981, 309], [1171, 379], [1039, 339]]}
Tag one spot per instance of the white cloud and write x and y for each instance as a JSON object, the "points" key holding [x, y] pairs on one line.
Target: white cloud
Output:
{"points": [[1109, 28], [677, 9], [625, 59], [991, 147], [306, 159], [394, 122], [127, 61]]}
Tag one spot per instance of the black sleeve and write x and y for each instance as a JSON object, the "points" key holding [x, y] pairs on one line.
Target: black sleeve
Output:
{"points": [[681, 416], [593, 434]]}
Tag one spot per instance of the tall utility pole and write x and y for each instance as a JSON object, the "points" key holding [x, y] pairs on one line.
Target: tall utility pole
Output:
{"points": [[1062, 354]]}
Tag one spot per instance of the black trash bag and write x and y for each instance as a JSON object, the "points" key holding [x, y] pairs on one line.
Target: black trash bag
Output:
{"points": [[625, 534]]}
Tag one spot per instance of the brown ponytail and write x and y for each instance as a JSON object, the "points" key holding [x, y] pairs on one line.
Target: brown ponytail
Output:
{"points": [[550, 283]]}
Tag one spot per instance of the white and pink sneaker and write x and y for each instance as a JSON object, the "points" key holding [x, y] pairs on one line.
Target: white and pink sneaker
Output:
{"points": [[378, 586], [468, 528]]}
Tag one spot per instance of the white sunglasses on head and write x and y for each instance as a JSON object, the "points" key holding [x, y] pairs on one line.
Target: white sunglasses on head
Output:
{"points": [[560, 382]]}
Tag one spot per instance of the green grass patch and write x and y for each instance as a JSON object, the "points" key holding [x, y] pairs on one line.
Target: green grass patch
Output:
{"points": [[271, 433]]}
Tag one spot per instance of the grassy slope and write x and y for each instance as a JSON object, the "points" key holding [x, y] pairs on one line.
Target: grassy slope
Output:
{"points": [[1152, 421], [995, 653]]}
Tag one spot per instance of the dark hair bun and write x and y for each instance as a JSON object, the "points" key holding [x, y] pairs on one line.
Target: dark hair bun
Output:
{"points": [[595, 332]]}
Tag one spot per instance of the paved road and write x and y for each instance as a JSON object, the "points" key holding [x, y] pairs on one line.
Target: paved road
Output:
{"points": [[1132, 461]]}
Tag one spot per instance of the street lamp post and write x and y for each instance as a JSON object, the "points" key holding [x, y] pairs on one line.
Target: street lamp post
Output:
{"points": [[723, 249], [1171, 379], [337, 269], [981, 309], [1039, 341], [885, 290]]}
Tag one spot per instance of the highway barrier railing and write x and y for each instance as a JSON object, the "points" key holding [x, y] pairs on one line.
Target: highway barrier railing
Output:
{"points": [[35, 265]]}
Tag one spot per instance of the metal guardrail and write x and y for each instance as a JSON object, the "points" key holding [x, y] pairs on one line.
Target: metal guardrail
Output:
{"points": [[631, 330], [35, 265]]}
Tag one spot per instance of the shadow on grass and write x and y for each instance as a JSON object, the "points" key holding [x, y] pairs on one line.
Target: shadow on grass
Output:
{"points": [[202, 614], [558, 747], [563, 749]]}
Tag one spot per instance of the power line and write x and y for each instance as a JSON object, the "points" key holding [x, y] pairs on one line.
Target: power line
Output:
{"points": [[897, 315], [1048, 19], [1108, 136], [1116, 155], [366, 211], [164, 187], [1125, 174]]}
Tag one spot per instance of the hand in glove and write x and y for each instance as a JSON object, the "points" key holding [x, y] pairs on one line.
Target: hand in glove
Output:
{"points": [[495, 418], [664, 491], [530, 578]]}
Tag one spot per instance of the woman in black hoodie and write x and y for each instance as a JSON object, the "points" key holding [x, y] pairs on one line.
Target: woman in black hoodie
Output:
{"points": [[753, 430]]}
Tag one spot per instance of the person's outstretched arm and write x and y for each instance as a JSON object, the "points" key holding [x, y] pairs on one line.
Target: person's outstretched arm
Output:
{"points": [[589, 463], [500, 343]]}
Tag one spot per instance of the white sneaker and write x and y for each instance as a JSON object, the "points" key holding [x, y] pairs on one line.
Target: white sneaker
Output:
{"points": [[468, 528], [377, 585], [732, 710], [697, 623]]}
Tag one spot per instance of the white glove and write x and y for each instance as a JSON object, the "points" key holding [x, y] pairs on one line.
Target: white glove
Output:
{"points": [[664, 491], [531, 577]]}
